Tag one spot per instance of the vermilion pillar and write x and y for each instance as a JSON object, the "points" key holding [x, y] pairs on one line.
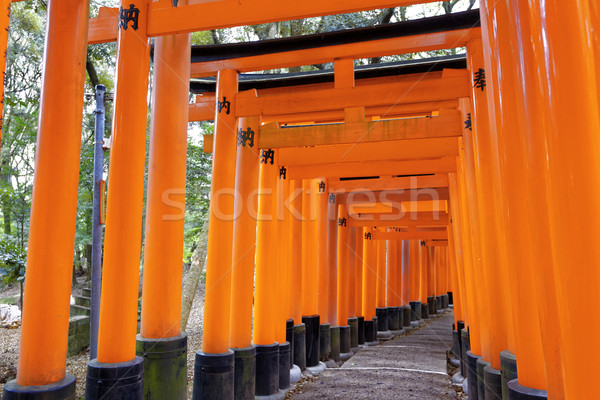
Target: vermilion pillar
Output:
{"points": [[563, 55], [322, 251], [351, 247], [342, 267], [424, 270], [405, 273], [284, 271], [369, 284], [309, 252], [414, 271], [332, 259], [296, 250], [45, 324], [359, 271], [392, 274], [244, 233], [214, 365], [381, 274], [243, 255], [498, 254], [165, 217]]}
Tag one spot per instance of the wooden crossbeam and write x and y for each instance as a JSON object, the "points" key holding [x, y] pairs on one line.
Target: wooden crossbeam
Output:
{"points": [[388, 183], [371, 151], [447, 125], [436, 243], [416, 88], [398, 220], [201, 15], [411, 235], [322, 55], [374, 168], [396, 196], [204, 110]]}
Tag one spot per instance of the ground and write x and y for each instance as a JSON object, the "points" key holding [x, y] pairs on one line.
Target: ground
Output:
{"points": [[77, 365]]}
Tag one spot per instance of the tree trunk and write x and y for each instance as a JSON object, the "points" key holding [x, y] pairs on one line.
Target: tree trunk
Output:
{"points": [[190, 282]]}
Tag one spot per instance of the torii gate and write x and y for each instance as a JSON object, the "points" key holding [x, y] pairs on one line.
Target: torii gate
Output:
{"points": [[526, 72]]}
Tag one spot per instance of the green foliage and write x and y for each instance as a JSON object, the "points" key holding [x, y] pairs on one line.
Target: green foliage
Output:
{"points": [[12, 260]]}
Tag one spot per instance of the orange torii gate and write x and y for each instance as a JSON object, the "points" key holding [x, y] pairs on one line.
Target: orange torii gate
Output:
{"points": [[509, 250]]}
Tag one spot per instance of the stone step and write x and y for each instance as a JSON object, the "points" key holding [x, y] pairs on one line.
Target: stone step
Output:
{"points": [[87, 292], [82, 301], [79, 334], [79, 310]]}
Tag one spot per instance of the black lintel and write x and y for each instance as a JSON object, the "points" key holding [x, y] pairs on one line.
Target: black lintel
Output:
{"points": [[442, 23]]}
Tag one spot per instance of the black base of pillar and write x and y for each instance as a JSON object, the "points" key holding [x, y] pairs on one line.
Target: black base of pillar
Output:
{"points": [[335, 343], [472, 375], [244, 365], [361, 330], [465, 346], [267, 369], [508, 370], [518, 392], [481, 364], [324, 342], [213, 376], [394, 319], [345, 339], [61, 390], [406, 318], [289, 337], [312, 323], [370, 332], [119, 380], [450, 298], [300, 346], [165, 366], [439, 300], [492, 382], [382, 319], [415, 307], [353, 323], [431, 305], [284, 365], [425, 310], [455, 360], [445, 302]]}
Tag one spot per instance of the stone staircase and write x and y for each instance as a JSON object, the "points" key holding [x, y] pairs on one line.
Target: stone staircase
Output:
{"points": [[79, 323]]}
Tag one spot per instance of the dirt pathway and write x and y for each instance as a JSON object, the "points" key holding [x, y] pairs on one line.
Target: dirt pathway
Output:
{"points": [[412, 366]]}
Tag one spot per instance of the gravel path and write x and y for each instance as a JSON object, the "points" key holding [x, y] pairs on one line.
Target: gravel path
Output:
{"points": [[413, 366], [77, 365]]}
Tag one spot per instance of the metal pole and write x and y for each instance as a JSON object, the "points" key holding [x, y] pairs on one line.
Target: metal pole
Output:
{"points": [[96, 263]]}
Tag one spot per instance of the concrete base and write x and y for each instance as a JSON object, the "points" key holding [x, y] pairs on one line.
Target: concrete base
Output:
{"points": [[244, 376], [481, 364], [335, 343], [465, 386], [313, 352], [299, 347], [508, 370], [385, 335], [457, 379], [471, 362], [371, 344], [125, 380], [295, 374], [61, 390], [397, 333], [518, 392], [267, 369], [382, 319], [346, 356], [165, 367], [280, 395], [493, 383], [325, 341], [317, 369], [415, 307], [353, 323]]}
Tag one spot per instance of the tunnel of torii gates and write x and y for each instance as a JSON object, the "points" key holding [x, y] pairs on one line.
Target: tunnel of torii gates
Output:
{"points": [[343, 205]]}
